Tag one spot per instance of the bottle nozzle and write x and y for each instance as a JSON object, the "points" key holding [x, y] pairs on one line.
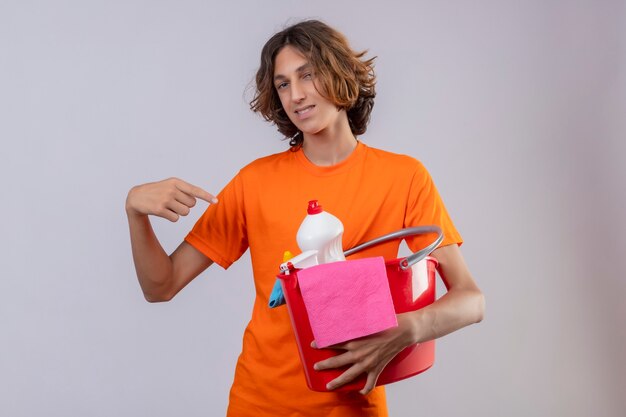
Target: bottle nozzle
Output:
{"points": [[314, 207]]}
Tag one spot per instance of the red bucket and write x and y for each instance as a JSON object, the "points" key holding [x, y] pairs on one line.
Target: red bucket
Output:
{"points": [[412, 285]]}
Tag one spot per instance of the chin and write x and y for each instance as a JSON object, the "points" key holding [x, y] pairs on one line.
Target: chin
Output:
{"points": [[310, 131]]}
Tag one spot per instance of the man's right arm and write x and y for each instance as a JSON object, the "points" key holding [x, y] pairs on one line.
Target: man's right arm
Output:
{"points": [[161, 276]]}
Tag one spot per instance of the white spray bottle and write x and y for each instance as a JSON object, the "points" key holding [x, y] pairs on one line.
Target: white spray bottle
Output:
{"points": [[322, 232], [319, 238]]}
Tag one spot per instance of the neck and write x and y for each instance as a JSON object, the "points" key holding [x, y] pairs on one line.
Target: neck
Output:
{"points": [[331, 145]]}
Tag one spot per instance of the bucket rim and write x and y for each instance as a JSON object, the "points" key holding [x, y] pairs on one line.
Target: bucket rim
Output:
{"points": [[428, 258]]}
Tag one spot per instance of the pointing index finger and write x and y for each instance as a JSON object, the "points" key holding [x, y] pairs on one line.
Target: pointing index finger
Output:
{"points": [[196, 191]]}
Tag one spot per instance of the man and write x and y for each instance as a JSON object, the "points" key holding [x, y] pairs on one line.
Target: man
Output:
{"points": [[320, 94]]}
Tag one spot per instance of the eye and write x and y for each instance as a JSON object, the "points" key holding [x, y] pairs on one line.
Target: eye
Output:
{"points": [[281, 85], [307, 76]]}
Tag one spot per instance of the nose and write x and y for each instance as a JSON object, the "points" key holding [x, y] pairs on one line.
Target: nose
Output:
{"points": [[297, 92]]}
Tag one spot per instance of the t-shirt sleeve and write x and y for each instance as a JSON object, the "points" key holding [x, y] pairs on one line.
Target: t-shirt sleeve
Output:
{"points": [[425, 207], [221, 232]]}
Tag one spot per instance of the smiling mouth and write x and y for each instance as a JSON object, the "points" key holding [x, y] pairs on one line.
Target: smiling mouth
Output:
{"points": [[304, 110]]}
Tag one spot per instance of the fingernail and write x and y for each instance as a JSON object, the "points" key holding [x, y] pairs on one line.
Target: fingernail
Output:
{"points": [[214, 200]]}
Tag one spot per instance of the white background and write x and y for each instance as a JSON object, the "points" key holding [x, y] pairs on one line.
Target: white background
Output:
{"points": [[516, 108]]}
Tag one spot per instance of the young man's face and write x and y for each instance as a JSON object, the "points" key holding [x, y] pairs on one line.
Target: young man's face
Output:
{"points": [[294, 80]]}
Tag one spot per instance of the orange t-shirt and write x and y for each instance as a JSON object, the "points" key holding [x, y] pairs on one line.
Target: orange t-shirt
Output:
{"points": [[372, 192]]}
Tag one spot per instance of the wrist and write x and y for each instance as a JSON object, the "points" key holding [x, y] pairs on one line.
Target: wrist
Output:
{"points": [[130, 209], [409, 322]]}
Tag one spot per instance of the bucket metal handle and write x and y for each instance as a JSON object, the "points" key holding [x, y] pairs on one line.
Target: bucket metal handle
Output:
{"points": [[409, 231]]}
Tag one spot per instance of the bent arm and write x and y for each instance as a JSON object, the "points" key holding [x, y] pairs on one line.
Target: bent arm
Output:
{"points": [[161, 276], [462, 305]]}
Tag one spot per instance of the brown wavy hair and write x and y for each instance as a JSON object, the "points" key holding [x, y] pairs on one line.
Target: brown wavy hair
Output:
{"points": [[344, 78]]}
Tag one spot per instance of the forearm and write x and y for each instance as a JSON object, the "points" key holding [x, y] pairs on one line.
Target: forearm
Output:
{"points": [[456, 309], [152, 264]]}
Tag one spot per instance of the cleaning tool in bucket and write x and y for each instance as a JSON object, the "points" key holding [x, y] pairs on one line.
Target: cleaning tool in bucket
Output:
{"points": [[319, 238], [347, 300], [320, 231], [277, 298], [412, 286]]}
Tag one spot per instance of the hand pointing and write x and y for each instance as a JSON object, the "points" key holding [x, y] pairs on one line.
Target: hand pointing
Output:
{"points": [[170, 198]]}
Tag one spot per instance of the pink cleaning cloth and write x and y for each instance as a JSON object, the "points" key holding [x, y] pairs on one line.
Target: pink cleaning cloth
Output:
{"points": [[346, 300]]}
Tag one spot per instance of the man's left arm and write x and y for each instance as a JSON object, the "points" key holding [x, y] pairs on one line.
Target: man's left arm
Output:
{"points": [[462, 305]]}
